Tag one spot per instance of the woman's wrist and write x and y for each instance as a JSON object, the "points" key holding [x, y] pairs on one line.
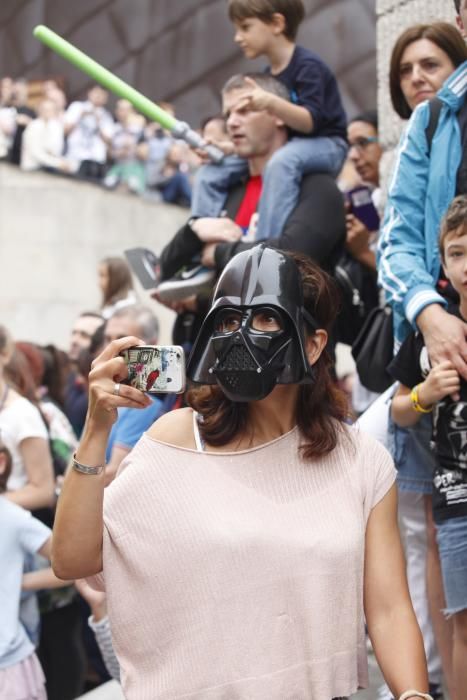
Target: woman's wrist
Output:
{"points": [[92, 446], [429, 317]]}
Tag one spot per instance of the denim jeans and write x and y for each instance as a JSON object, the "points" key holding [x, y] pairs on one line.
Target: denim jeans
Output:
{"points": [[414, 459], [283, 174], [452, 543], [177, 190], [281, 180], [212, 183]]}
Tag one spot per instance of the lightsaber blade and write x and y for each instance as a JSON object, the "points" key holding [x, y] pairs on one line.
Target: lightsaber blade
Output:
{"points": [[119, 87]]}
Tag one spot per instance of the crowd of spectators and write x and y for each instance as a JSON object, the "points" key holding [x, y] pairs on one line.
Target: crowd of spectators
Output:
{"points": [[83, 139], [44, 392]]}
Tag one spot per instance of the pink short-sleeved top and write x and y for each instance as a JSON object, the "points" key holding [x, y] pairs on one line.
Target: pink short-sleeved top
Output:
{"points": [[235, 576]]}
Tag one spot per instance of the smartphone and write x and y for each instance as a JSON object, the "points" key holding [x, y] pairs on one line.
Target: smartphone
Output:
{"points": [[156, 369], [361, 206]]}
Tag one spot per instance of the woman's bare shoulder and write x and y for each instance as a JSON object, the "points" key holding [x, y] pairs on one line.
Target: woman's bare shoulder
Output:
{"points": [[175, 428]]}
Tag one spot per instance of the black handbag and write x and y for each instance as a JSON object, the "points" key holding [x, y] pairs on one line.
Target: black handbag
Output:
{"points": [[358, 295], [373, 350]]}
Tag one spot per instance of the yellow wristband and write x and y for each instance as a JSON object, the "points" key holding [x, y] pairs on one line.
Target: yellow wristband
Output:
{"points": [[416, 403]]}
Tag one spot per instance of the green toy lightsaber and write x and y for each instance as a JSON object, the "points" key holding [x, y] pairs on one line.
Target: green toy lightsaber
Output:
{"points": [[104, 77]]}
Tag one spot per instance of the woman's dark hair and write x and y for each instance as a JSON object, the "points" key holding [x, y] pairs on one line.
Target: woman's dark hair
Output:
{"points": [[87, 355], [35, 359], [370, 116], [49, 367], [321, 406], [8, 464], [5, 339], [56, 371], [120, 281], [443, 34], [18, 373]]}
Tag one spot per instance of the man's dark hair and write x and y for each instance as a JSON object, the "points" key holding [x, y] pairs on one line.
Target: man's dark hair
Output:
{"points": [[264, 80], [444, 35], [369, 117], [457, 5], [293, 12]]}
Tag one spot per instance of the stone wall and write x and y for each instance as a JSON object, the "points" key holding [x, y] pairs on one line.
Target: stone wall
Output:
{"points": [[53, 232], [180, 50]]}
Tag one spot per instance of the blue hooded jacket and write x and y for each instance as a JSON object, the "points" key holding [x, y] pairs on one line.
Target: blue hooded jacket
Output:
{"points": [[422, 187]]}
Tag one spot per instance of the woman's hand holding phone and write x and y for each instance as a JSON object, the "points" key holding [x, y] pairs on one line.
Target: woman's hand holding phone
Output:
{"points": [[108, 372]]}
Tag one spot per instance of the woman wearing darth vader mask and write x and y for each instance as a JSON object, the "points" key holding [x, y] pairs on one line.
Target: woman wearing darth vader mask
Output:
{"points": [[247, 535]]}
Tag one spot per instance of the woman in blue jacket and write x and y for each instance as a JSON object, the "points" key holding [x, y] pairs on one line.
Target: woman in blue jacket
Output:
{"points": [[425, 180]]}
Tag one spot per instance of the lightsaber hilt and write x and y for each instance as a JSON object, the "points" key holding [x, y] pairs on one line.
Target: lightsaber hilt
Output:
{"points": [[182, 130]]}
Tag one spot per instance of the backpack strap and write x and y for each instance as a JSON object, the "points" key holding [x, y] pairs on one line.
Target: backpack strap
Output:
{"points": [[435, 105]]}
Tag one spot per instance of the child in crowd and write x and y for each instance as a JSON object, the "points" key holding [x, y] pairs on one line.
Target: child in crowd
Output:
{"points": [[314, 115], [21, 674], [440, 390]]}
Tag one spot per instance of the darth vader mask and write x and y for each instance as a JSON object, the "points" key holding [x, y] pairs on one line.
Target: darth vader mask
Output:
{"points": [[254, 335]]}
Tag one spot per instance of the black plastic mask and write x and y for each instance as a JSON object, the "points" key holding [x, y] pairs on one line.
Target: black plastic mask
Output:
{"points": [[250, 346], [245, 358]]}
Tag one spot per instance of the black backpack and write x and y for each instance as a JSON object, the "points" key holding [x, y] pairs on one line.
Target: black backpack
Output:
{"points": [[358, 296]]}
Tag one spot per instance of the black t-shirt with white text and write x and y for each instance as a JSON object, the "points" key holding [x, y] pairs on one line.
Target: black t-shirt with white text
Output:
{"points": [[410, 367]]}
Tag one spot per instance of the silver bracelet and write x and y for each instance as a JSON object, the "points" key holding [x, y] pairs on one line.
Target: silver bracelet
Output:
{"points": [[416, 694], [84, 469]]}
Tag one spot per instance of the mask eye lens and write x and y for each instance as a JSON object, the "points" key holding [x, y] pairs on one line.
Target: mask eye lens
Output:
{"points": [[228, 321], [266, 320]]}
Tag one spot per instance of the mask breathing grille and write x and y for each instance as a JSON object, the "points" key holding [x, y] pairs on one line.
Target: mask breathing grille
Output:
{"points": [[237, 359]]}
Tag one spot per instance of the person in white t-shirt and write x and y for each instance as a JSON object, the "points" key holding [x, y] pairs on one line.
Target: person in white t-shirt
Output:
{"points": [[23, 431], [89, 127], [43, 141], [21, 675]]}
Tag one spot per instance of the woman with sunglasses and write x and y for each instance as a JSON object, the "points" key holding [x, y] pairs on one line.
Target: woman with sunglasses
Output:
{"points": [[246, 534]]}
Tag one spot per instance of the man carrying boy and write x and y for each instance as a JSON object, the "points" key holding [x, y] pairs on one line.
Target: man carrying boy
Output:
{"points": [[314, 114], [316, 227], [424, 389]]}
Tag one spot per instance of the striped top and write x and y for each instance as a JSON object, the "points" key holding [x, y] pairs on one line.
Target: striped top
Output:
{"points": [[240, 575]]}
